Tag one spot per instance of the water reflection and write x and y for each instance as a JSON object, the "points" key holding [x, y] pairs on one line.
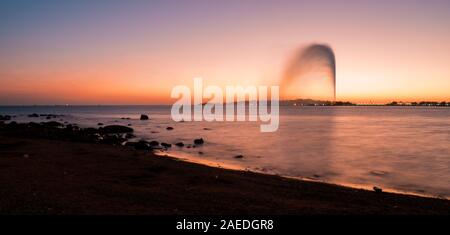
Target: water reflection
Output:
{"points": [[399, 148]]}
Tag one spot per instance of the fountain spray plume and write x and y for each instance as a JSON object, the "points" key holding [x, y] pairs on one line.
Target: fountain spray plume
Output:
{"points": [[313, 57]]}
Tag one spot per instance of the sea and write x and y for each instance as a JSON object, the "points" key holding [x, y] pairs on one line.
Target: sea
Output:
{"points": [[397, 148]]}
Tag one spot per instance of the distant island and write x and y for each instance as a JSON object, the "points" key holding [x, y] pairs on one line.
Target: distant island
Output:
{"points": [[422, 103], [311, 102]]}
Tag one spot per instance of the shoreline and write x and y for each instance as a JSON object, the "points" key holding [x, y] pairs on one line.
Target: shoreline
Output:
{"points": [[194, 160], [44, 172]]}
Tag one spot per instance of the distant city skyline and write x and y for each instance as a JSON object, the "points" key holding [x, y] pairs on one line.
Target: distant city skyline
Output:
{"points": [[134, 52]]}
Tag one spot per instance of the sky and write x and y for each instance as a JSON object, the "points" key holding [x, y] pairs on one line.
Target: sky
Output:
{"points": [[135, 52]]}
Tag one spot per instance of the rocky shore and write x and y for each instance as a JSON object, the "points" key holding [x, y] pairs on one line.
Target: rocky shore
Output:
{"points": [[109, 134], [53, 167]]}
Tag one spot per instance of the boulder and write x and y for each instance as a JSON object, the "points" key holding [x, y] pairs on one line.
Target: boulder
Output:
{"points": [[154, 143], [239, 156], [114, 129], [142, 145], [34, 115], [129, 143], [128, 136], [377, 190], [144, 117], [5, 118], [199, 141], [179, 144], [169, 128], [113, 139], [166, 145], [89, 130]]}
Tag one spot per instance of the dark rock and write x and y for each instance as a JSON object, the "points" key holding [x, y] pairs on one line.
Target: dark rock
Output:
{"points": [[129, 124], [34, 115], [200, 152], [128, 136], [144, 117], [179, 144], [154, 143], [169, 128], [97, 138], [142, 145], [48, 117], [377, 190], [199, 141], [52, 124], [113, 129], [238, 156], [89, 130], [207, 129], [100, 124], [5, 118], [166, 145], [129, 143], [111, 139]]}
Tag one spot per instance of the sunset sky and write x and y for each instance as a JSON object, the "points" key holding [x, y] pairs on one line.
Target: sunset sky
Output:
{"points": [[134, 52]]}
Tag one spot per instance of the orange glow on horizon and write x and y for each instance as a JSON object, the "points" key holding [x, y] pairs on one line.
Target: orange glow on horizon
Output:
{"points": [[384, 52]]}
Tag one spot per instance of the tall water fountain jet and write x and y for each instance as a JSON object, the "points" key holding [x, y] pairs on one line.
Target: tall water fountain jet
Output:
{"points": [[313, 58]]}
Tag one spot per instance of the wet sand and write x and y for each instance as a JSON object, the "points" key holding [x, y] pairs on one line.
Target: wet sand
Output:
{"points": [[40, 176]]}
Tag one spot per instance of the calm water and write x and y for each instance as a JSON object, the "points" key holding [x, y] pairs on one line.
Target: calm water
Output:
{"points": [[397, 148]]}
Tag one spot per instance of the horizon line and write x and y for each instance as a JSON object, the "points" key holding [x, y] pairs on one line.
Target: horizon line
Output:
{"points": [[130, 104]]}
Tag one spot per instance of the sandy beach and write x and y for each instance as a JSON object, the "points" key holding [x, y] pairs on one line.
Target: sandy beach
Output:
{"points": [[44, 173]]}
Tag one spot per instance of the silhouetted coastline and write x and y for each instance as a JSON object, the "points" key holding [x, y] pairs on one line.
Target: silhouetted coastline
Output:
{"points": [[421, 103], [311, 102]]}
